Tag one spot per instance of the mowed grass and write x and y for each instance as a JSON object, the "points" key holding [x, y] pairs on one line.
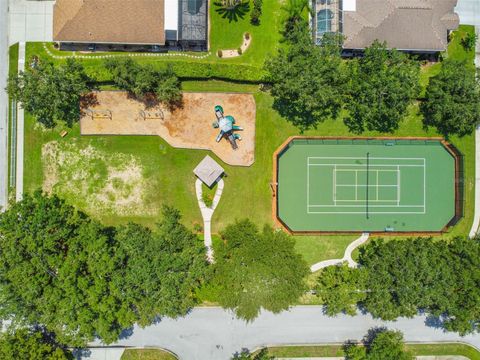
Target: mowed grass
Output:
{"points": [[147, 354], [449, 349], [247, 192], [224, 34]]}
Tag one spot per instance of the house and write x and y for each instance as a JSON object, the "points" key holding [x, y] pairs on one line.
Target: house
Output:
{"points": [[418, 26], [131, 24]]}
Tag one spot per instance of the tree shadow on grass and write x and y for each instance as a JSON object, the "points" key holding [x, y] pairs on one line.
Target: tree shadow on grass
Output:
{"points": [[234, 13]]}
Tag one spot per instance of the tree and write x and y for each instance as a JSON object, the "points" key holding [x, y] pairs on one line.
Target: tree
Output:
{"points": [[403, 277], [341, 288], [452, 102], [51, 93], [255, 270], [56, 269], [295, 11], [307, 80], [383, 84], [246, 355], [162, 269], [469, 41], [60, 269], [383, 345], [29, 344], [145, 82]]}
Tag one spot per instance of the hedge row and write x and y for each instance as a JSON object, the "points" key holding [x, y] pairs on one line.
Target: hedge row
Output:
{"points": [[187, 70]]}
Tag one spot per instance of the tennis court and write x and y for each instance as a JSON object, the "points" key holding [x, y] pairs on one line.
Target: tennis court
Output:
{"points": [[378, 185]]}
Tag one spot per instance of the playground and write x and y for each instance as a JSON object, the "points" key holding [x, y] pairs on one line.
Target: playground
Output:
{"points": [[189, 126], [374, 185]]}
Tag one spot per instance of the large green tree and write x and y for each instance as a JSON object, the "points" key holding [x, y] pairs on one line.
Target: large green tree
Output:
{"points": [[162, 268], [452, 102], [383, 84], [31, 344], [255, 270], [64, 271], [341, 288], [381, 345], [145, 81], [51, 93], [403, 277], [307, 80]]}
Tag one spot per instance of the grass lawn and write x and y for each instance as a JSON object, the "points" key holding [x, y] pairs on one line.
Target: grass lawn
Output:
{"points": [[147, 354], [224, 34], [117, 179], [336, 350]]}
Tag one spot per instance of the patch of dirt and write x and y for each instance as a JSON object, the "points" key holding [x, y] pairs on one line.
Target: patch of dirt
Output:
{"points": [[98, 182], [189, 126]]}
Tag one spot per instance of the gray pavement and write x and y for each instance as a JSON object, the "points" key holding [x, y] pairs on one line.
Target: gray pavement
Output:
{"points": [[213, 333], [469, 12], [30, 20], [3, 104]]}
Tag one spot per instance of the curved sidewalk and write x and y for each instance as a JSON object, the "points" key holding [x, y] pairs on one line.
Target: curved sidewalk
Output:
{"points": [[346, 257], [207, 213]]}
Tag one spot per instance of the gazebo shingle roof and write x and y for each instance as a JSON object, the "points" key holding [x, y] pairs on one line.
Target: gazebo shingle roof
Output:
{"points": [[208, 171]]}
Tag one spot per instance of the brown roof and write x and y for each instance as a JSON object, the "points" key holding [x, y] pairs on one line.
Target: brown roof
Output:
{"points": [[403, 24], [109, 21]]}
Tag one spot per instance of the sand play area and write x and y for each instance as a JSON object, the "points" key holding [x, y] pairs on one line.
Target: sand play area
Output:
{"points": [[190, 126]]}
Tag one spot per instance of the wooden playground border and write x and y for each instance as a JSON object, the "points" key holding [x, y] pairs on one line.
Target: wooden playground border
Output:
{"points": [[452, 150]]}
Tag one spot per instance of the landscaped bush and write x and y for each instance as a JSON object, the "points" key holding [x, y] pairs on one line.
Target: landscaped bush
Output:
{"points": [[255, 17], [219, 53]]}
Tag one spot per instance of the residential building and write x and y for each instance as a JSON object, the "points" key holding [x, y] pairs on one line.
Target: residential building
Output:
{"points": [[419, 26]]}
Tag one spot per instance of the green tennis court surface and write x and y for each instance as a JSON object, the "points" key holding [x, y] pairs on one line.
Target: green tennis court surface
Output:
{"points": [[365, 185]]}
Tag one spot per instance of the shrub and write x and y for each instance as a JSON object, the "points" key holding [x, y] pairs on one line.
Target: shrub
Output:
{"points": [[469, 41], [219, 53], [255, 16], [246, 35], [240, 51]]}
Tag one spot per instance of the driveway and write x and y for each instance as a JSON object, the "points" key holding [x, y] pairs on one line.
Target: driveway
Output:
{"points": [[469, 12], [213, 333], [30, 20]]}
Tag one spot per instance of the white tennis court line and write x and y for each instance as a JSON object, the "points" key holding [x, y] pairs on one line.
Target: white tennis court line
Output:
{"points": [[335, 184], [398, 185], [335, 169]]}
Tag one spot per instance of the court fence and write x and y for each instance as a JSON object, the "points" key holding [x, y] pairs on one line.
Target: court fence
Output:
{"points": [[387, 141]]}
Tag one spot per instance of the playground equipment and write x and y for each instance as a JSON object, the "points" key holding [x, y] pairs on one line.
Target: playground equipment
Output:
{"points": [[99, 114], [151, 115], [227, 127]]}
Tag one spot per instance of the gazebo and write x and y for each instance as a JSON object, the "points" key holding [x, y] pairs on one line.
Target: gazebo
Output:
{"points": [[208, 171]]}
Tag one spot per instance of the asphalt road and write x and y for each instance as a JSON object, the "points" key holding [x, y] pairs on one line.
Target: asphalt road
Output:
{"points": [[3, 103], [213, 333]]}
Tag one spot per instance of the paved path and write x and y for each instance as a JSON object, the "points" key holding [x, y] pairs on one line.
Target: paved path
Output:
{"points": [[476, 216], [3, 104], [207, 213], [347, 257], [20, 131], [469, 12], [30, 20], [215, 334]]}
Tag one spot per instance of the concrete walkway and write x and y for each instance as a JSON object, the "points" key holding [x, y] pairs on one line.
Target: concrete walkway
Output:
{"points": [[20, 130], [347, 257], [476, 216], [207, 213]]}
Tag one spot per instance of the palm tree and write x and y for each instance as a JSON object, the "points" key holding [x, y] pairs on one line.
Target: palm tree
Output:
{"points": [[295, 10]]}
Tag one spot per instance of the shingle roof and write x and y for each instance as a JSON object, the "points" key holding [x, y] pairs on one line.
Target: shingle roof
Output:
{"points": [[208, 170], [109, 21], [403, 24]]}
